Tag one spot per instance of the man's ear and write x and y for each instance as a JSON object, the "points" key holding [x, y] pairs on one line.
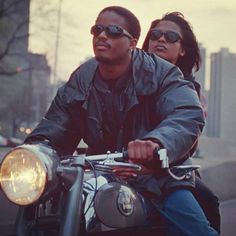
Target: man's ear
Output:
{"points": [[133, 43]]}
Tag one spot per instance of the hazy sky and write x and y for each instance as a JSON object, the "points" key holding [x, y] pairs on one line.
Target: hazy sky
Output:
{"points": [[213, 22]]}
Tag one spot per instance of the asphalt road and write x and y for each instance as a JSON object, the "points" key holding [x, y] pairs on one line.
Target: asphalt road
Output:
{"points": [[8, 213], [228, 218]]}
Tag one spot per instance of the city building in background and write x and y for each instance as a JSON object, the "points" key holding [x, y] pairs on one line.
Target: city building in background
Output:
{"points": [[221, 102], [39, 80], [200, 77], [23, 75]]}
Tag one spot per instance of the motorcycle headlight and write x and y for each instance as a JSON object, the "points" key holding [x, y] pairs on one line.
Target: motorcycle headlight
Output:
{"points": [[24, 175]]}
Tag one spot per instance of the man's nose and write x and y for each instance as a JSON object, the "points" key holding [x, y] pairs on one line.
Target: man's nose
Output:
{"points": [[102, 34]]}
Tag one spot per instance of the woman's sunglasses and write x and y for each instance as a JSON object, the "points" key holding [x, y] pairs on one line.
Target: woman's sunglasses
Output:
{"points": [[112, 31], [170, 36]]}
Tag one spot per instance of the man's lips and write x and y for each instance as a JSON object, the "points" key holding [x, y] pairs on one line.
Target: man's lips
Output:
{"points": [[102, 45]]}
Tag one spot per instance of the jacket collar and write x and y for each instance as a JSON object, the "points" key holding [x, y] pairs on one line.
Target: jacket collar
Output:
{"points": [[144, 81]]}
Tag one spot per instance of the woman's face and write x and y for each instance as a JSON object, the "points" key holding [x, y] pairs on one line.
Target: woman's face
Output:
{"points": [[169, 51]]}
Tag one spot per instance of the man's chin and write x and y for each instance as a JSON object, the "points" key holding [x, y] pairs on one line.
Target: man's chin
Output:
{"points": [[104, 60], [109, 61]]}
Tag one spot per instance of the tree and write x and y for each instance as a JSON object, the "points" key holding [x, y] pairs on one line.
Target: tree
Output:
{"points": [[15, 64]]}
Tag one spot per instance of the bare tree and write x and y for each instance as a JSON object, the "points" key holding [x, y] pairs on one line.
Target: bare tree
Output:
{"points": [[15, 65], [15, 19]]}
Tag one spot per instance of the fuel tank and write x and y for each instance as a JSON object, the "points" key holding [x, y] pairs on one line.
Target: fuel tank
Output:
{"points": [[110, 203]]}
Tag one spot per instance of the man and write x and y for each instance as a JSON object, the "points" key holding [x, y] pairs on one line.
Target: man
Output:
{"points": [[125, 98]]}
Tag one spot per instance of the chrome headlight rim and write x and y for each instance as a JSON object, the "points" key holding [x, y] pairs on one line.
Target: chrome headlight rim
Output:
{"points": [[7, 187]]}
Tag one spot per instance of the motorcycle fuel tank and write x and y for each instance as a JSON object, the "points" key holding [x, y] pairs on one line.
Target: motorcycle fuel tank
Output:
{"points": [[118, 206]]}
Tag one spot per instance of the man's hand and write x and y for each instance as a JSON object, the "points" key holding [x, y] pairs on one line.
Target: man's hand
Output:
{"points": [[139, 152]]}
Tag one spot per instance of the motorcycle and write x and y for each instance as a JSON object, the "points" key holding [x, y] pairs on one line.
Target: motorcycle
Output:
{"points": [[77, 195]]}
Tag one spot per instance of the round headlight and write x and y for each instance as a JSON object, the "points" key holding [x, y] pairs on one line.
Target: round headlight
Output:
{"points": [[23, 176]]}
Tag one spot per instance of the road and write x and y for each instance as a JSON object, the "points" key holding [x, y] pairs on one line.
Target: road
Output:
{"points": [[228, 218], [8, 213]]}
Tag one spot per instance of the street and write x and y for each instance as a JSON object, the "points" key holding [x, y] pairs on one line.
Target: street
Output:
{"points": [[228, 219]]}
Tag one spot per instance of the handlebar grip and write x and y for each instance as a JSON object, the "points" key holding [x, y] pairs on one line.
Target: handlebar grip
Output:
{"points": [[125, 156], [156, 154], [122, 156]]}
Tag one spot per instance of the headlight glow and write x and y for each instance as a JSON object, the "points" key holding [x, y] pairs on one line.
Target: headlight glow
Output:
{"points": [[23, 176]]}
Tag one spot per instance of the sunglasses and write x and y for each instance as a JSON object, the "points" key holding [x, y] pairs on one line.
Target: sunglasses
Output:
{"points": [[170, 36], [112, 31]]}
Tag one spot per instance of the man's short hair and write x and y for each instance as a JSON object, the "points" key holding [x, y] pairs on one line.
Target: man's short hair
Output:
{"points": [[131, 20]]}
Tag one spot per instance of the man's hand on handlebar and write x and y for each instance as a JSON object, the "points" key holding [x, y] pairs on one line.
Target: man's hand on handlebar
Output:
{"points": [[139, 152]]}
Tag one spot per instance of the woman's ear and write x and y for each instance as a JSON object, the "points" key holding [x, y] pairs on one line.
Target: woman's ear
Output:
{"points": [[182, 52]]}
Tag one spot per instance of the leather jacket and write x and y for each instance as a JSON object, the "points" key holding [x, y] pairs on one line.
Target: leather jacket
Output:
{"points": [[156, 103]]}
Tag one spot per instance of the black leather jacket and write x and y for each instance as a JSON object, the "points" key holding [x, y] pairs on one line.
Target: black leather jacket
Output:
{"points": [[157, 104]]}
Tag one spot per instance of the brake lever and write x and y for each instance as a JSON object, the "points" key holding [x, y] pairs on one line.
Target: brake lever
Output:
{"points": [[121, 165]]}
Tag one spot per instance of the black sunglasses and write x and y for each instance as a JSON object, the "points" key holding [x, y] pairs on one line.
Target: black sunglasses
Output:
{"points": [[170, 36], [112, 31]]}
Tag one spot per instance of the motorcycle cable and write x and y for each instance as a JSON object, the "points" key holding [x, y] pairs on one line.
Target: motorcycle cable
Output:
{"points": [[96, 185]]}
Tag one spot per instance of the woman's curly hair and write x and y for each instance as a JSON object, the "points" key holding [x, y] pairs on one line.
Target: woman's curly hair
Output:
{"points": [[192, 57]]}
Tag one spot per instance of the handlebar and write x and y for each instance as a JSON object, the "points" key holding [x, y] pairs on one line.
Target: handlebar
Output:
{"points": [[108, 161], [117, 156]]}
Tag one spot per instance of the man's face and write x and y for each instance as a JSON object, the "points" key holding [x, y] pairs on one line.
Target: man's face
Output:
{"points": [[110, 50]]}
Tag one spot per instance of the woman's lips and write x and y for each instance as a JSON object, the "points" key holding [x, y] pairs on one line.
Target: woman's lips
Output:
{"points": [[160, 47]]}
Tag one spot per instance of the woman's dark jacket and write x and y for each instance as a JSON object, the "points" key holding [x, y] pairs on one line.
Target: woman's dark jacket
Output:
{"points": [[155, 103]]}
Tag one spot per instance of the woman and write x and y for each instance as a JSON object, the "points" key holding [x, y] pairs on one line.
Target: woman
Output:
{"points": [[172, 39]]}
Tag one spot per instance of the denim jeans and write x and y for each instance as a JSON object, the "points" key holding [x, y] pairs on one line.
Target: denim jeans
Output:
{"points": [[184, 217], [181, 212]]}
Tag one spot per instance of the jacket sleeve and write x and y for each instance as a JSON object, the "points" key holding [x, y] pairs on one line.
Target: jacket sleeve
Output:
{"points": [[64, 124], [180, 116], [61, 124]]}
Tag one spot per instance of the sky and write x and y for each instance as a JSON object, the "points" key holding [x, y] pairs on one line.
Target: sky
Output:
{"points": [[213, 22]]}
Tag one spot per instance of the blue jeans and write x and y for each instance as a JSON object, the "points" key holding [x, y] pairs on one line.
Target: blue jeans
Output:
{"points": [[184, 216]]}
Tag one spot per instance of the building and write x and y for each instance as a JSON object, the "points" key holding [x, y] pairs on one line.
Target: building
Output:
{"points": [[200, 77], [19, 69], [39, 83], [222, 105]]}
